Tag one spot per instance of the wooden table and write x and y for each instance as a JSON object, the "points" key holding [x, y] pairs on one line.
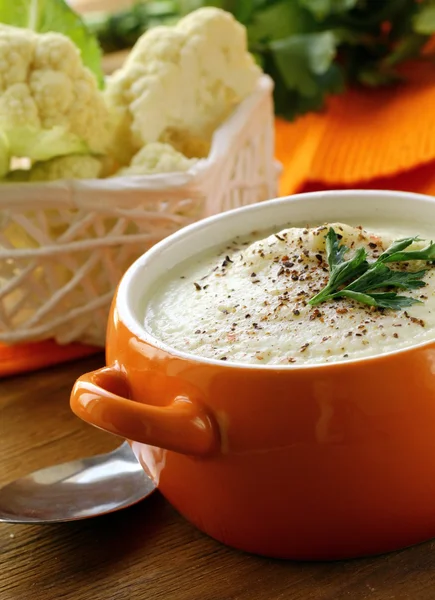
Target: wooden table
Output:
{"points": [[149, 552]]}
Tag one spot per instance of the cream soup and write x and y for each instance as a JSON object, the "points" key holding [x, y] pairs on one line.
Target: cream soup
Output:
{"points": [[248, 301]]}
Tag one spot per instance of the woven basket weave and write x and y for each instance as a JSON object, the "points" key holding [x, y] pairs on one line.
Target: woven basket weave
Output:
{"points": [[64, 245]]}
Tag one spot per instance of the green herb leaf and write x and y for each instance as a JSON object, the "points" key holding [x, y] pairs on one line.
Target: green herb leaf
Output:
{"points": [[289, 103], [300, 58], [425, 254], [397, 246], [368, 277], [424, 20], [372, 76], [408, 47], [387, 300], [43, 16], [350, 268], [341, 273], [334, 251], [324, 8], [277, 21], [380, 276]]}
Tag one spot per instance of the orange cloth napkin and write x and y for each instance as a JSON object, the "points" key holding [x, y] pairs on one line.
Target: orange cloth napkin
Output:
{"points": [[379, 139], [22, 358], [383, 138]]}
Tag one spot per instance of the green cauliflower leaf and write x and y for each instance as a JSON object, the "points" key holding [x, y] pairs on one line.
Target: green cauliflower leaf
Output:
{"points": [[43, 16]]}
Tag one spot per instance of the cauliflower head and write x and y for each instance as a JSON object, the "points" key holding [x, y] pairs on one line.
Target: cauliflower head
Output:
{"points": [[63, 167], [179, 83], [157, 158], [50, 104]]}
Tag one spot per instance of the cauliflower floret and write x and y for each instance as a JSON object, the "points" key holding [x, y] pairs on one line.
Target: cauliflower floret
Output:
{"points": [[157, 158], [63, 167], [50, 104], [179, 83]]}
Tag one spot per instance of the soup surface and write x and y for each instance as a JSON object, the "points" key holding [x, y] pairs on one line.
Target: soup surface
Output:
{"points": [[248, 302]]}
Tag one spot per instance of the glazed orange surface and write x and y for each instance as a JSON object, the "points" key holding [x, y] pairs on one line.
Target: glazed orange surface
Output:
{"points": [[322, 463]]}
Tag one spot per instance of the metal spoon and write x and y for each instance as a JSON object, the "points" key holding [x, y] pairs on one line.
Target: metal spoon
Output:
{"points": [[76, 490]]}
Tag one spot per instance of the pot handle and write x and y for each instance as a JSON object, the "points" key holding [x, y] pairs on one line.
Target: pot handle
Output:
{"points": [[183, 426]]}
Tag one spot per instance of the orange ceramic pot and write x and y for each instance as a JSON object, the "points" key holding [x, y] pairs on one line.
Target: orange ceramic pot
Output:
{"points": [[314, 462]]}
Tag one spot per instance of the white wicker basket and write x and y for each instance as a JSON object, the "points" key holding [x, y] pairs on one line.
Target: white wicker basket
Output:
{"points": [[64, 245]]}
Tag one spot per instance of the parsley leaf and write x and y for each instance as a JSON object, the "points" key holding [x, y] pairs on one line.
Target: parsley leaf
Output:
{"points": [[341, 271], [334, 251], [397, 246], [323, 8], [427, 254], [300, 58], [424, 21], [386, 300], [379, 276], [368, 277]]}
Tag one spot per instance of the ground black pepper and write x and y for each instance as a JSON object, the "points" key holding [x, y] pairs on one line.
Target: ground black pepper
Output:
{"points": [[281, 299]]}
